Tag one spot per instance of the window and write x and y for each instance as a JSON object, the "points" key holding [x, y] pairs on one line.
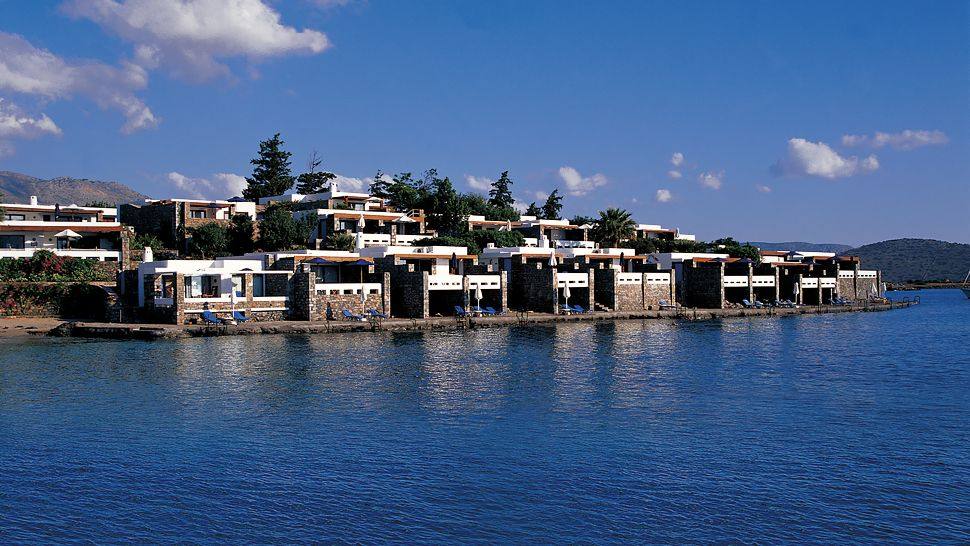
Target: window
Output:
{"points": [[202, 286], [17, 217], [63, 243], [168, 286], [12, 241], [259, 286], [197, 214], [239, 285]]}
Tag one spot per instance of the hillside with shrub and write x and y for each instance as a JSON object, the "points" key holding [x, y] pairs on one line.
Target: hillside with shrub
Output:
{"points": [[902, 260]]}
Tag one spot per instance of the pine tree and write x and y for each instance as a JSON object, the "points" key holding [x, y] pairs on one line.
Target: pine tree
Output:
{"points": [[381, 185], [552, 206], [314, 181], [500, 196], [271, 170], [533, 210]]}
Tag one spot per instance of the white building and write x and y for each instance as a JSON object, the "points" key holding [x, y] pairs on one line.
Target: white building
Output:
{"points": [[71, 230]]}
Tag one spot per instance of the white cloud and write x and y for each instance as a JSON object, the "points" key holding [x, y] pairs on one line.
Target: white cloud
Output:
{"points": [[677, 159], [579, 185], [663, 196], [191, 37], [541, 195], [674, 174], [479, 183], [350, 183], [712, 180], [762, 188], [904, 140], [33, 71], [520, 206], [16, 124], [818, 159], [219, 186]]}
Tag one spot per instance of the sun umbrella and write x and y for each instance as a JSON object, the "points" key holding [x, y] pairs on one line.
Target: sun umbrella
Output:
{"points": [[478, 295], [360, 223], [565, 293], [68, 233], [552, 259], [359, 240]]}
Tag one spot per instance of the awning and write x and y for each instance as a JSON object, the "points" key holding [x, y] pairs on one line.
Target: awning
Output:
{"points": [[68, 233]]}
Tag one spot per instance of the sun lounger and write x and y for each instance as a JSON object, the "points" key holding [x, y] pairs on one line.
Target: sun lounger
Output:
{"points": [[460, 311], [374, 314], [210, 318], [563, 308], [758, 305], [350, 316], [664, 304], [239, 317], [747, 304], [578, 309], [492, 311], [483, 311]]}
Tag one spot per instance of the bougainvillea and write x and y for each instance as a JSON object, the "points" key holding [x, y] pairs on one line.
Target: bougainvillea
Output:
{"points": [[45, 266]]}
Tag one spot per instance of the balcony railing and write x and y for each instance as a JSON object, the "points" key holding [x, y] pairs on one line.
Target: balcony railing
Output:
{"points": [[445, 282], [347, 288], [763, 280], [485, 282], [629, 278], [735, 280], [658, 278], [578, 280]]}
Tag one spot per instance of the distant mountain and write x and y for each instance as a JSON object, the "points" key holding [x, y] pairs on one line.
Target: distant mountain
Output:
{"points": [[17, 188], [810, 247], [916, 259]]}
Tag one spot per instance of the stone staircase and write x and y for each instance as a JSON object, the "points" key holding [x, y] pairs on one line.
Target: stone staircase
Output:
{"points": [[601, 307]]}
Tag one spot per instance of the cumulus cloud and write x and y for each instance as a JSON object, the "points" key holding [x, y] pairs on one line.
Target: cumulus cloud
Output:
{"points": [[908, 139], [674, 174], [762, 188], [191, 37], [219, 186], [34, 71], [806, 158], [579, 185], [16, 124], [712, 180], [478, 183], [663, 196], [677, 159]]}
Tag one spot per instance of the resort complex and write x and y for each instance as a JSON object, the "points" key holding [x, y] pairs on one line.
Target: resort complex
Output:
{"points": [[355, 256]]}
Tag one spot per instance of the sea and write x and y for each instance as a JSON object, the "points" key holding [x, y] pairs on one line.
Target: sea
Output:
{"points": [[843, 428]]}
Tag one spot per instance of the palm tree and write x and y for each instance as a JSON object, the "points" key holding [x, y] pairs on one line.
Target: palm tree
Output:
{"points": [[613, 226]]}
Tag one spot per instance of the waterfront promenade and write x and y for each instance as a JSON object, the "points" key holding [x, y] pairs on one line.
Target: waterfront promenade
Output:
{"points": [[172, 331]]}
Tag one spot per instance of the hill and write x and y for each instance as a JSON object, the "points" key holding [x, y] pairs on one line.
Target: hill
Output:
{"points": [[915, 259], [17, 188], [809, 247]]}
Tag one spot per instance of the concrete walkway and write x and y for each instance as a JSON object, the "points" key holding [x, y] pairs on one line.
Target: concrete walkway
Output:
{"points": [[172, 331]]}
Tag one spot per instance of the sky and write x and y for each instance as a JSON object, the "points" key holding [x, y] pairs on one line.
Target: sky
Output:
{"points": [[842, 122]]}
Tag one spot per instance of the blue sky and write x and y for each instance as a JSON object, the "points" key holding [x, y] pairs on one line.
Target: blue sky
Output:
{"points": [[827, 122]]}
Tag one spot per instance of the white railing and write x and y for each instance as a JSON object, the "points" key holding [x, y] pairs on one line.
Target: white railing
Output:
{"points": [[658, 278], [735, 280], [826, 283], [376, 239], [579, 280], [574, 244], [629, 278], [445, 282], [337, 288], [531, 241], [485, 282], [809, 283], [407, 240], [846, 274], [94, 253], [763, 280], [868, 274]]}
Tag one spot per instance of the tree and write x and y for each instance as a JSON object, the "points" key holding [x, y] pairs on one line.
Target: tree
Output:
{"points": [[141, 240], [381, 185], [735, 249], [242, 235], [644, 245], [533, 210], [280, 231], [580, 220], [448, 215], [100, 204], [500, 196], [271, 170], [341, 241], [208, 241], [552, 206], [314, 181], [613, 226]]}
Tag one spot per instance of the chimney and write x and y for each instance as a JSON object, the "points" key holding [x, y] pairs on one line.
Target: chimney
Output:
{"points": [[33, 200]]}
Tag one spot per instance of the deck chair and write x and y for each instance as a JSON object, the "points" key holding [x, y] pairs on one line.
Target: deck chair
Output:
{"points": [[239, 317], [210, 318]]}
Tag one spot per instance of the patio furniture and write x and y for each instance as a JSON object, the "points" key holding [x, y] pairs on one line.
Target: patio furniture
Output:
{"points": [[460, 311], [210, 318], [747, 304], [373, 313], [664, 304], [492, 311], [350, 316], [578, 309], [239, 317], [566, 309]]}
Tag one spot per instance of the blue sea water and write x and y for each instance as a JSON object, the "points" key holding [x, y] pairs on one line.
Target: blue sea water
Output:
{"points": [[829, 428]]}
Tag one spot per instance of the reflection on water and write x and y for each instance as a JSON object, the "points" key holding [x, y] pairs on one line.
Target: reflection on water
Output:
{"points": [[797, 428]]}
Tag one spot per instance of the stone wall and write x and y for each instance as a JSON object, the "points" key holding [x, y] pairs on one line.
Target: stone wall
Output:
{"points": [[409, 292], [159, 219], [534, 288], [703, 285]]}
